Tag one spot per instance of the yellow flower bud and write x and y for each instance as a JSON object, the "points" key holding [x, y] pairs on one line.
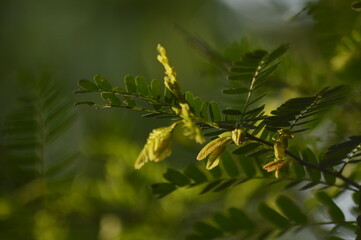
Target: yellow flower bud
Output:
{"points": [[238, 136], [276, 166], [212, 146], [215, 157], [214, 149], [158, 146]]}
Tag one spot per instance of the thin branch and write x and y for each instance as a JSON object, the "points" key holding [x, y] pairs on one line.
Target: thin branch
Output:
{"points": [[130, 95]]}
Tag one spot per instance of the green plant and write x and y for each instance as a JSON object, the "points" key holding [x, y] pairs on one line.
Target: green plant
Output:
{"points": [[246, 144], [35, 172]]}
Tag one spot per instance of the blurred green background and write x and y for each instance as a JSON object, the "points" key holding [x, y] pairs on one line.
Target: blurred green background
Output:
{"points": [[71, 175]]}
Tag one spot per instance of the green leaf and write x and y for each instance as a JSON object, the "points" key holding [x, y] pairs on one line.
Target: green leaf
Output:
{"points": [[308, 156], [296, 168], [216, 172], [333, 210], [214, 112], [356, 197], [163, 189], [241, 220], [195, 174], [291, 210], [198, 105], [207, 230], [329, 179], [233, 112], [309, 185], [141, 85], [225, 185], [168, 96], [247, 165], [228, 164], [102, 83], [176, 177], [112, 98], [204, 110], [87, 85], [130, 84], [338, 152], [84, 103], [188, 96], [293, 111], [59, 166], [235, 91], [246, 148], [273, 216], [155, 86], [211, 186], [226, 224]]}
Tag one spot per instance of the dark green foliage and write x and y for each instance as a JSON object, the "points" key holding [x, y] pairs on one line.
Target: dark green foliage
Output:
{"points": [[273, 216], [229, 165], [195, 174], [176, 177], [333, 210], [163, 189], [310, 157], [291, 210], [34, 169], [297, 111], [214, 112], [41, 116], [255, 68], [241, 219], [207, 230], [344, 152], [285, 217]]}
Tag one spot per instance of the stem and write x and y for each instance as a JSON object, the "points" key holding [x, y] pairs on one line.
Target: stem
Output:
{"points": [[250, 91], [308, 164], [131, 95]]}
